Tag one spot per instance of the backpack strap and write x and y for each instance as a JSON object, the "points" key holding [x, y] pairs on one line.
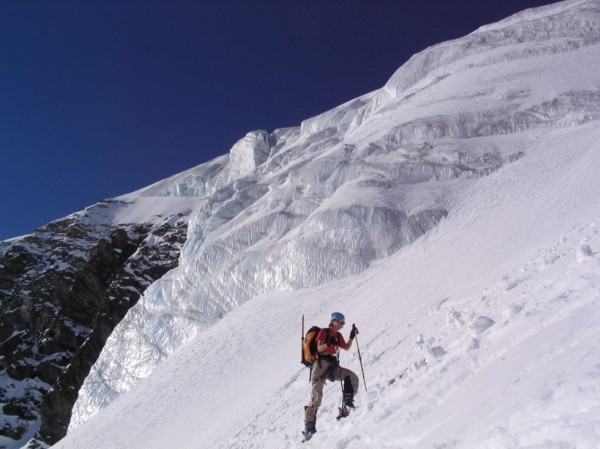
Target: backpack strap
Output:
{"points": [[327, 332], [318, 354]]}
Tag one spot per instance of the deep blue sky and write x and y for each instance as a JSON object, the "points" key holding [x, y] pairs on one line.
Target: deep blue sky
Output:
{"points": [[101, 98]]}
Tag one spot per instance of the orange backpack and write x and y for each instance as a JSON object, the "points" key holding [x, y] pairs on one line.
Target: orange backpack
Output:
{"points": [[309, 347]]}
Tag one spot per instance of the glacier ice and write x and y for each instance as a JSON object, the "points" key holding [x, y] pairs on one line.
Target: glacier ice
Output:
{"points": [[305, 205], [249, 153]]}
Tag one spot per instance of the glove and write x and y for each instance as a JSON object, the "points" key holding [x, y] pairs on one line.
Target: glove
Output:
{"points": [[331, 341], [353, 332]]}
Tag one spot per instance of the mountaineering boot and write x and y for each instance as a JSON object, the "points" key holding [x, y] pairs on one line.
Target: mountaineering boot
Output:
{"points": [[348, 400], [342, 412], [348, 394], [310, 428]]}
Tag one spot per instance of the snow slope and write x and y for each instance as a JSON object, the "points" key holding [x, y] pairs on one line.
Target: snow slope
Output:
{"points": [[483, 334], [479, 333]]}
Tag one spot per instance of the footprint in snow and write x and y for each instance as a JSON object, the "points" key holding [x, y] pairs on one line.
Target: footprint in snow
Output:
{"points": [[481, 324], [584, 253]]}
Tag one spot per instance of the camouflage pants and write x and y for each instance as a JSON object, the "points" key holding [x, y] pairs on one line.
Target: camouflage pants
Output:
{"points": [[321, 371]]}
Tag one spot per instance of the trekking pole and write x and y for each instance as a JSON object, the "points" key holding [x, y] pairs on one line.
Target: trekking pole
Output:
{"points": [[360, 360]]}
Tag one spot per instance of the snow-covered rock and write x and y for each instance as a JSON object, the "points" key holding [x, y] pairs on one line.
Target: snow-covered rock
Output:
{"points": [[62, 291]]}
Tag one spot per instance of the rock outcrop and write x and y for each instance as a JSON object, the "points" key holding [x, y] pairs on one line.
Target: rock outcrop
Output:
{"points": [[63, 289]]}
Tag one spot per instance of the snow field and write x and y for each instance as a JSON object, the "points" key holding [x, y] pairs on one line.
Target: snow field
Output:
{"points": [[483, 333], [479, 334]]}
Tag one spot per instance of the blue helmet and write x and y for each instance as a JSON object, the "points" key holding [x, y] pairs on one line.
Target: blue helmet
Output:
{"points": [[337, 316]]}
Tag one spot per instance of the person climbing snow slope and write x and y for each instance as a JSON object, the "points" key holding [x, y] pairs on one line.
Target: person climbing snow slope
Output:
{"points": [[327, 367]]}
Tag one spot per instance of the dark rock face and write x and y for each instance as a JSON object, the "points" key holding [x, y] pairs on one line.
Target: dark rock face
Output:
{"points": [[63, 289]]}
